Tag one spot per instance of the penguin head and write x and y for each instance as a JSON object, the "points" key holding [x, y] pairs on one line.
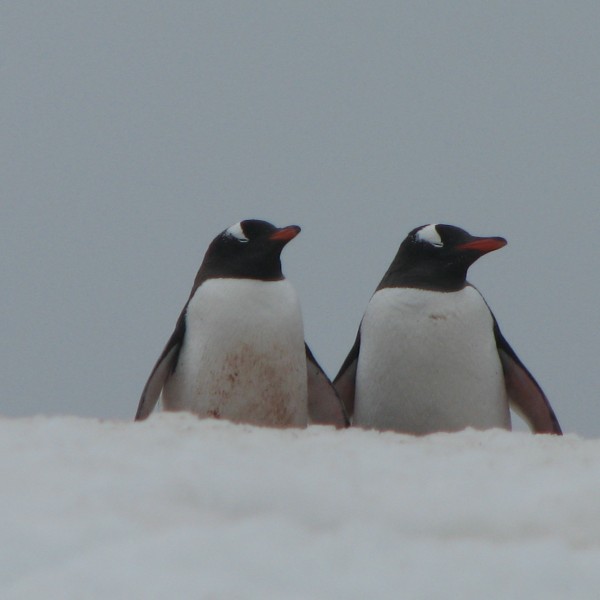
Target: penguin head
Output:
{"points": [[449, 244], [249, 249], [437, 256]]}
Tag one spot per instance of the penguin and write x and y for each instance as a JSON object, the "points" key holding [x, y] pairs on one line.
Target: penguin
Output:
{"points": [[238, 349], [429, 355]]}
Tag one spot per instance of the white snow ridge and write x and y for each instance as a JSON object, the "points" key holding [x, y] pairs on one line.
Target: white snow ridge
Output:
{"points": [[177, 507]]}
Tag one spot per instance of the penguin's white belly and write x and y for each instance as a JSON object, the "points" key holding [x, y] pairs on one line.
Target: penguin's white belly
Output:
{"points": [[428, 362], [243, 355]]}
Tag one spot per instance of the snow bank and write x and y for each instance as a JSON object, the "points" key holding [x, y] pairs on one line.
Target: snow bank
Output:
{"points": [[175, 507]]}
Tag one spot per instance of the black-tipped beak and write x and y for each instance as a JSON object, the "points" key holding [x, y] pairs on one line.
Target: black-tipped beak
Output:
{"points": [[482, 245], [285, 234]]}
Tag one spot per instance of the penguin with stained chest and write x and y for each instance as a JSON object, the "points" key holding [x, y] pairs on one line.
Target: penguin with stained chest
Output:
{"points": [[238, 349], [429, 355]]}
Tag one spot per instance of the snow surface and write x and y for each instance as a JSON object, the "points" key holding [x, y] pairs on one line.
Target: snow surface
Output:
{"points": [[177, 507]]}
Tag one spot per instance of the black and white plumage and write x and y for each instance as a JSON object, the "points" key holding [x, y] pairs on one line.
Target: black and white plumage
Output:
{"points": [[238, 349], [429, 355]]}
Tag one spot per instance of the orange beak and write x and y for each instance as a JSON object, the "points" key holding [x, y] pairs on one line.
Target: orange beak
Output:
{"points": [[483, 244], [285, 234]]}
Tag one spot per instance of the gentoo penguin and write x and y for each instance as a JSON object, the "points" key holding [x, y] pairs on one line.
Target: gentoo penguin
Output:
{"points": [[429, 355], [238, 348]]}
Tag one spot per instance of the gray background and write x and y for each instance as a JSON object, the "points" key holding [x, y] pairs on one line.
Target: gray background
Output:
{"points": [[133, 132]]}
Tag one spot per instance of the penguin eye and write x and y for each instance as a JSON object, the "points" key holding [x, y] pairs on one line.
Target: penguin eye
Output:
{"points": [[430, 235], [237, 233]]}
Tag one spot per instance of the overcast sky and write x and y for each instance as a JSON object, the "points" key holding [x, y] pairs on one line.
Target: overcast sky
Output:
{"points": [[133, 132]]}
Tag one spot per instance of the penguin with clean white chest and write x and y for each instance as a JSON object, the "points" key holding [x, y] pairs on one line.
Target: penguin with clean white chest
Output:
{"points": [[238, 349], [429, 355]]}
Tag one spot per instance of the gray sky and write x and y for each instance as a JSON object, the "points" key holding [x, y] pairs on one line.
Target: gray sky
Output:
{"points": [[132, 133]]}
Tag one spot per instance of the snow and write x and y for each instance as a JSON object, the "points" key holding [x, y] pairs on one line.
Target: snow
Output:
{"points": [[177, 507]]}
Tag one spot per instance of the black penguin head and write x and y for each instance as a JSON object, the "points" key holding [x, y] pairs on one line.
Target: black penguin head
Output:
{"points": [[249, 249], [437, 257]]}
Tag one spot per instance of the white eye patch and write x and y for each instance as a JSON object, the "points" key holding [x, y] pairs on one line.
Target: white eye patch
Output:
{"points": [[430, 235], [237, 232]]}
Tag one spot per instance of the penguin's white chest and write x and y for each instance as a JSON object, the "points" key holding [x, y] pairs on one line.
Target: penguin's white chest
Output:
{"points": [[428, 362], [243, 355]]}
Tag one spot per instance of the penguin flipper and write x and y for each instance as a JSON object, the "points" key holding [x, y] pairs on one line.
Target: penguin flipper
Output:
{"points": [[524, 393], [324, 405], [345, 381], [163, 368]]}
